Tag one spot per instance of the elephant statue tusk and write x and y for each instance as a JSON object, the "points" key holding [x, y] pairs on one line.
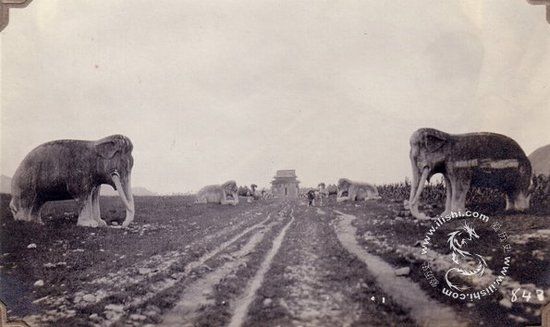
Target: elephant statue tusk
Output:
{"points": [[421, 183], [115, 173], [128, 204]]}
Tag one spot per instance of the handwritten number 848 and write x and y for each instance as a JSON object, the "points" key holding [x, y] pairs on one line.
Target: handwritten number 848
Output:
{"points": [[526, 295]]}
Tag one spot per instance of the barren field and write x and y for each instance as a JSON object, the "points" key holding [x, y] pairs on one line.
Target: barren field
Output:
{"points": [[265, 263]]}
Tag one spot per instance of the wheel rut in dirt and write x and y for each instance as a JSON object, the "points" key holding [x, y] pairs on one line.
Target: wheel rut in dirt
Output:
{"points": [[198, 293], [314, 281], [212, 297], [243, 304], [122, 295], [424, 310], [250, 233]]}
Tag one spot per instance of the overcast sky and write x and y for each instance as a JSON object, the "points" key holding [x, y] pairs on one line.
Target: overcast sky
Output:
{"points": [[216, 90]]}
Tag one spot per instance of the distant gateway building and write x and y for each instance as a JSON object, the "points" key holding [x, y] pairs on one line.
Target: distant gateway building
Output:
{"points": [[285, 184]]}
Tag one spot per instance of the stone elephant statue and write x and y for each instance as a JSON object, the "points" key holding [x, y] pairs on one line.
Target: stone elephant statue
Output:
{"points": [[323, 190], [74, 169], [227, 193], [473, 159], [540, 160], [254, 193], [332, 189], [355, 191]]}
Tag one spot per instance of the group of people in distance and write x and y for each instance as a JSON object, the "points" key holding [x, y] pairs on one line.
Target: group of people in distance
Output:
{"points": [[320, 193]]}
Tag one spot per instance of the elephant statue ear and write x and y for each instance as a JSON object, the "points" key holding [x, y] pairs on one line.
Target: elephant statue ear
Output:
{"points": [[434, 141], [109, 146], [343, 183], [229, 185]]}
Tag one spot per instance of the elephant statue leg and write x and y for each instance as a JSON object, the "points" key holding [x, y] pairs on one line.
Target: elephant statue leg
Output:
{"points": [[224, 199], [96, 212], [85, 218], [521, 202], [26, 209], [340, 198], [227, 201], [509, 201], [448, 196], [20, 209], [36, 212], [516, 200], [354, 192], [459, 189]]}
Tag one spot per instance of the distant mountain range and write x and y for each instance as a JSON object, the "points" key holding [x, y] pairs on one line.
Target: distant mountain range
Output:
{"points": [[540, 160], [5, 184], [106, 190]]}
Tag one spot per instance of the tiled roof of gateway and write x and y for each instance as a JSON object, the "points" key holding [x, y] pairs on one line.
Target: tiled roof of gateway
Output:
{"points": [[286, 173], [283, 180], [285, 176]]}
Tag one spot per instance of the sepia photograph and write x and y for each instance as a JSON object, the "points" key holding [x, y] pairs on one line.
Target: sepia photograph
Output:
{"points": [[280, 163]]}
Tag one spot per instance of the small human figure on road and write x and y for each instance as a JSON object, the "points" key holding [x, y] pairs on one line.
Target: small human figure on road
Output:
{"points": [[311, 197]]}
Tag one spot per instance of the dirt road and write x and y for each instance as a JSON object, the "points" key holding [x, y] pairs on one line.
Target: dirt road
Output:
{"points": [[267, 263]]}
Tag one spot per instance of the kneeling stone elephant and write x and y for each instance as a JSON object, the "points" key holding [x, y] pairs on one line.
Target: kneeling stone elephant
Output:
{"points": [[227, 193], [74, 169], [355, 191], [473, 159]]}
